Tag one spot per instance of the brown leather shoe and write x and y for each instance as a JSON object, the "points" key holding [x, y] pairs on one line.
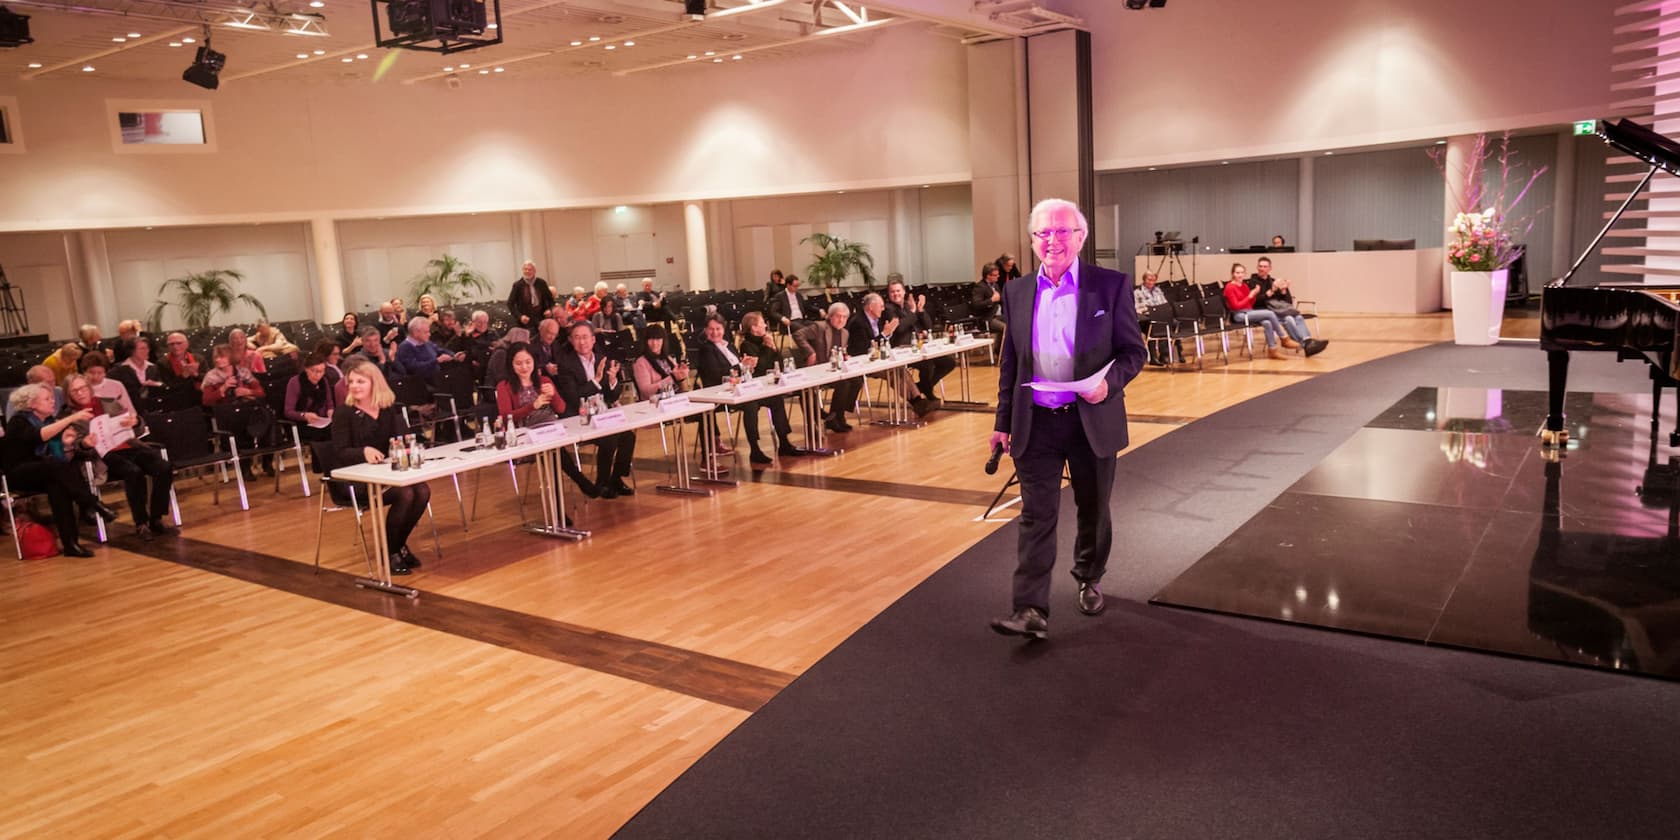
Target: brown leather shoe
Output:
{"points": [[1091, 599], [1027, 622], [1291, 343], [1275, 354]]}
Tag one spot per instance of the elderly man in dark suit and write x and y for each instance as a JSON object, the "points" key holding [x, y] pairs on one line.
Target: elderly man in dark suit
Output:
{"points": [[530, 298], [1065, 324], [813, 345]]}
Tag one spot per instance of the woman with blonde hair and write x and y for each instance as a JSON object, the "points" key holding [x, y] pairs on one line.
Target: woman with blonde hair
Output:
{"points": [[361, 431]]}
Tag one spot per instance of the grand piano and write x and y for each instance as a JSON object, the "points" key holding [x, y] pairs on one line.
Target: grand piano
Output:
{"points": [[1632, 320]]}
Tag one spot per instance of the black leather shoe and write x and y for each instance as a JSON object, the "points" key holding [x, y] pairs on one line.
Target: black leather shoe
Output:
{"points": [[788, 450], [622, 489], [588, 488], [1027, 622], [76, 550], [163, 528], [921, 406], [758, 457], [1091, 599], [143, 532], [104, 511], [607, 492], [409, 558], [1316, 346]]}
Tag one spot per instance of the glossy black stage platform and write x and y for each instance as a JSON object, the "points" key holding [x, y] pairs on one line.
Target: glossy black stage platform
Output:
{"points": [[1442, 521]]}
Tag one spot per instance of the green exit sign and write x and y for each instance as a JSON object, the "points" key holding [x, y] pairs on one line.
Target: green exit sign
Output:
{"points": [[1585, 127]]}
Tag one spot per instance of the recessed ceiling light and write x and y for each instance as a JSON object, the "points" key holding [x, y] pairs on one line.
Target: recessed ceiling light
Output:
{"points": [[484, 72], [187, 40], [1440, 142], [1152, 168], [577, 43], [491, 26], [320, 52], [34, 65], [133, 34], [347, 59], [87, 68], [717, 61], [839, 192], [736, 58], [174, 43], [629, 43], [119, 40], [611, 47], [449, 69], [925, 186], [692, 57], [1329, 153], [594, 37], [316, 4], [1224, 163], [303, 55], [463, 65], [498, 69], [360, 56]]}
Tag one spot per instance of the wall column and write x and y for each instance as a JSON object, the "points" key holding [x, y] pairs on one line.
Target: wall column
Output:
{"points": [[528, 238], [93, 293], [1305, 205], [694, 232], [1460, 150], [329, 270], [1563, 209]]}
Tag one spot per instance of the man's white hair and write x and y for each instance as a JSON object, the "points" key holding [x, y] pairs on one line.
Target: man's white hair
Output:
{"points": [[1049, 205], [839, 307]]}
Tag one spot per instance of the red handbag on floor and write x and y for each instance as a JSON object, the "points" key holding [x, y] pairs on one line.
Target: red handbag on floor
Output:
{"points": [[37, 540]]}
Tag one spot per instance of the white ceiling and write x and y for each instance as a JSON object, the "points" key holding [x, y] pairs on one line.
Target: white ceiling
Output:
{"points": [[542, 38]]}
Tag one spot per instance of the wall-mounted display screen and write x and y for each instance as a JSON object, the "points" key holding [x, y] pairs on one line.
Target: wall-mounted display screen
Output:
{"points": [[172, 128]]}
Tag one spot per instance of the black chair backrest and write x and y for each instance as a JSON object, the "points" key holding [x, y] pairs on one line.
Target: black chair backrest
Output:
{"points": [[1188, 309], [1159, 312], [411, 390], [184, 432], [251, 419]]}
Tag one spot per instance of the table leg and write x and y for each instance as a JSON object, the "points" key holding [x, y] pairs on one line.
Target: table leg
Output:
{"points": [[711, 471], [680, 483], [810, 405], [381, 551], [967, 403], [553, 500]]}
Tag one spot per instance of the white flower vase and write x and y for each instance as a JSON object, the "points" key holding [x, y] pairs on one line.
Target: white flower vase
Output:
{"points": [[1478, 306]]}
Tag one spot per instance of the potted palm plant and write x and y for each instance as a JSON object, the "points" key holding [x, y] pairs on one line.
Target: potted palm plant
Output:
{"points": [[838, 259], [448, 279], [200, 297]]}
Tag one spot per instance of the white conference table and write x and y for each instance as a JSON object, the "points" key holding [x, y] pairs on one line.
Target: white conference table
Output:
{"points": [[546, 444]]}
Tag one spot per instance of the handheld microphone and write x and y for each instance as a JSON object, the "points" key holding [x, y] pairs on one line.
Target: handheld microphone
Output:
{"points": [[992, 462]]}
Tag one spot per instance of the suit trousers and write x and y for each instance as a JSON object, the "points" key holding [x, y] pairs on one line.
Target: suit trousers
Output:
{"points": [[133, 466], [1057, 438]]}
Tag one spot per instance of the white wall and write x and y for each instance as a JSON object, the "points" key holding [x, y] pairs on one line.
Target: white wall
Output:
{"points": [[37, 267], [293, 151], [274, 259], [1199, 81], [383, 256]]}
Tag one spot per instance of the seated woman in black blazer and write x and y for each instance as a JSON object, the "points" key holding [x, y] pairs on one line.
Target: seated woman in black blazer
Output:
{"points": [[759, 355], [361, 431], [31, 464]]}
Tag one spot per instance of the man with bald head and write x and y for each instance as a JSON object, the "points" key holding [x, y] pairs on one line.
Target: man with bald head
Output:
{"points": [[1070, 322]]}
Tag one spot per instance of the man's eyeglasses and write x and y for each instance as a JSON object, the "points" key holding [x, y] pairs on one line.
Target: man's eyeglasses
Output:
{"points": [[1056, 233]]}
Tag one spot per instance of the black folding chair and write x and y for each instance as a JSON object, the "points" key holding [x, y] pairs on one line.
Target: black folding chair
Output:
{"points": [[189, 444]]}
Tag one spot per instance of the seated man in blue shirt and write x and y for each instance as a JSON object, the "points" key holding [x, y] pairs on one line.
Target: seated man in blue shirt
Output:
{"points": [[417, 354]]}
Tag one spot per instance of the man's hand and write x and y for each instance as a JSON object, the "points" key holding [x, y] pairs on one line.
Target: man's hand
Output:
{"points": [[999, 439], [445, 357], [1097, 394]]}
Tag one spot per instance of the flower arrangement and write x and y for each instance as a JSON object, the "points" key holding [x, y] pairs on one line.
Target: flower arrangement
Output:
{"points": [[1485, 240]]}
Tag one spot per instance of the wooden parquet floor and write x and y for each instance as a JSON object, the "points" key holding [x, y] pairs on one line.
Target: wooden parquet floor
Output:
{"points": [[216, 686]]}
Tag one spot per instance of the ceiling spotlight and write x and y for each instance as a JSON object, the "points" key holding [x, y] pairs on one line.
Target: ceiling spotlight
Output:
{"points": [[119, 40], [594, 37], [611, 47], [577, 43], [174, 43], [347, 59], [499, 69], [187, 40], [449, 69], [710, 53], [133, 34], [360, 56], [692, 57], [316, 4], [694, 9], [206, 69], [484, 72], [717, 61], [736, 58], [87, 68], [303, 55], [34, 65], [629, 43], [320, 52], [463, 65], [492, 26]]}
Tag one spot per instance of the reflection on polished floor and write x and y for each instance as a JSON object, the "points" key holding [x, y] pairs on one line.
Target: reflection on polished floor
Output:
{"points": [[1441, 521]]}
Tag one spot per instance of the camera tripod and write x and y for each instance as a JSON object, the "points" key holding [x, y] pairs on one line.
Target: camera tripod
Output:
{"points": [[14, 319], [1169, 250]]}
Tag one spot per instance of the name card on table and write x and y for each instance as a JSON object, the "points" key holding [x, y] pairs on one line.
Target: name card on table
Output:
{"points": [[793, 377], [546, 433], [747, 386], [675, 403], [609, 419]]}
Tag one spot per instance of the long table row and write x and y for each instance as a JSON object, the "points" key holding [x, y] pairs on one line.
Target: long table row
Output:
{"points": [[548, 443]]}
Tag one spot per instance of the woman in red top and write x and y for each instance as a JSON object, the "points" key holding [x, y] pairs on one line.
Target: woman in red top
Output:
{"points": [[525, 392], [1239, 300]]}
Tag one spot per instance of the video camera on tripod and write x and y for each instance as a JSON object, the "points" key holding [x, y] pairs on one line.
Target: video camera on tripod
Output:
{"points": [[1168, 245], [14, 319]]}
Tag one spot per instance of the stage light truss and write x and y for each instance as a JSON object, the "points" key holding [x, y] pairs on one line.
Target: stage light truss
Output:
{"points": [[275, 16]]}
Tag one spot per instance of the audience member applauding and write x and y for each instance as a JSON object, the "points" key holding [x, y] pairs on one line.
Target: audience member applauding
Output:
{"points": [[1275, 295], [24, 457], [373, 350], [715, 360], [427, 306], [814, 346], [547, 348], [62, 362], [655, 369], [577, 307], [985, 303], [652, 303], [1240, 298], [445, 331], [417, 355], [132, 462], [871, 323], [243, 355], [583, 374], [227, 381], [361, 431], [389, 327], [476, 343], [311, 399], [531, 399], [349, 331], [759, 356], [629, 308], [180, 367], [137, 373]]}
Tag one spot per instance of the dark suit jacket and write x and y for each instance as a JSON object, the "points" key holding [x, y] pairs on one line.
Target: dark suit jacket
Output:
{"points": [[908, 323], [518, 304], [1107, 328], [778, 309], [859, 332], [710, 364], [125, 374], [573, 384]]}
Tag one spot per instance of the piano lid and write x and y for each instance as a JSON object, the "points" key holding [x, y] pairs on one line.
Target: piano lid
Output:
{"points": [[1642, 143]]}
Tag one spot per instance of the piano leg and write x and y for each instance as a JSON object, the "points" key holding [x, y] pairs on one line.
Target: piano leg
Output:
{"points": [[1554, 434]]}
